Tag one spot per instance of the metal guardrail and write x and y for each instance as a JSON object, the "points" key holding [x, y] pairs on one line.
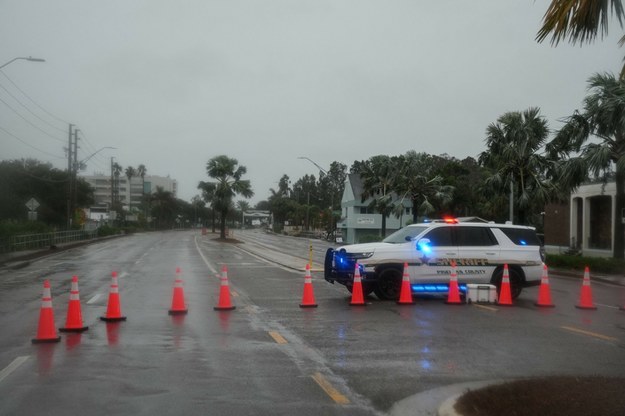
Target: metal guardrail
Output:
{"points": [[37, 241]]}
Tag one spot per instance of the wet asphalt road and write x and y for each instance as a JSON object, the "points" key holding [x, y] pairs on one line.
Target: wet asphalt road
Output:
{"points": [[269, 356]]}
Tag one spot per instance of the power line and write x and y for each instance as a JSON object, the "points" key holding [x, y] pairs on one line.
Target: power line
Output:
{"points": [[29, 110], [30, 145], [32, 124], [33, 101]]}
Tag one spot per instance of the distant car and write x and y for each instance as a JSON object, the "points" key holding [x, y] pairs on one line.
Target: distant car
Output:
{"points": [[479, 251]]}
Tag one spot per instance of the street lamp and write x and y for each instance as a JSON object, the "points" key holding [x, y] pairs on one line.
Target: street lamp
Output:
{"points": [[311, 161], [82, 162], [322, 170], [30, 58]]}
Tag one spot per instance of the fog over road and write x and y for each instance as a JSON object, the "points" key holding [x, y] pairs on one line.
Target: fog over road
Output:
{"points": [[269, 356]]}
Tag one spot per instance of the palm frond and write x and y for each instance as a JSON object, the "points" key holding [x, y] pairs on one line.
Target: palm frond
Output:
{"points": [[579, 20]]}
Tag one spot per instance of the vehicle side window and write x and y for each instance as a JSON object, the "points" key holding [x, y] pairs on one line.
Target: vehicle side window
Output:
{"points": [[475, 236], [440, 237], [521, 236]]}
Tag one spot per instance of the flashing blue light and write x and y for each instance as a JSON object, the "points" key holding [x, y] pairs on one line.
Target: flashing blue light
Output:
{"points": [[523, 242], [435, 288], [424, 248]]}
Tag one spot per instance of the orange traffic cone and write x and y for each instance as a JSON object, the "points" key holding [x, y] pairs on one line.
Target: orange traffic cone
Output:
{"points": [[113, 310], [224, 292], [453, 298], [585, 299], [46, 332], [544, 293], [405, 295], [74, 323], [308, 298], [357, 296], [505, 297], [178, 306]]}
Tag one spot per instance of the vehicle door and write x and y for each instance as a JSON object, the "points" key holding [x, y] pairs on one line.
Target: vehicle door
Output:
{"points": [[435, 252], [478, 253]]}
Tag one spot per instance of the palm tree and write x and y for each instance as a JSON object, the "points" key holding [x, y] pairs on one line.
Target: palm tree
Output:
{"points": [[228, 184], [165, 206], [603, 118], [130, 172], [580, 20], [420, 185], [513, 143], [379, 175], [208, 195]]}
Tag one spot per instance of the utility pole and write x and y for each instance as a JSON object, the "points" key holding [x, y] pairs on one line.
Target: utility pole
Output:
{"points": [[69, 179], [74, 173], [112, 185]]}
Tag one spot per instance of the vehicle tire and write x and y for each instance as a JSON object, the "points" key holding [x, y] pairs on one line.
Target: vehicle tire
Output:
{"points": [[516, 281], [389, 284]]}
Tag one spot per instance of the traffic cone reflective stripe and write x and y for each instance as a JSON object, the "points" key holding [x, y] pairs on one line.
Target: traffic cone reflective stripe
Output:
{"points": [[73, 322], [46, 331], [405, 295], [505, 297], [357, 296], [113, 309], [544, 293], [308, 298], [585, 298], [178, 306], [224, 292], [453, 298]]}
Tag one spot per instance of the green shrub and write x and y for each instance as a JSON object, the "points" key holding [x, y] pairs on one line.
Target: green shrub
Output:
{"points": [[107, 230], [9, 228], [595, 264]]}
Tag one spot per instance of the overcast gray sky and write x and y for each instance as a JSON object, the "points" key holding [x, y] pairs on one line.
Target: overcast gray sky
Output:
{"points": [[172, 84]]}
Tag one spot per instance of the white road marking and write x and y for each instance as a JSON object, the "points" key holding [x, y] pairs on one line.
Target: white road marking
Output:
{"points": [[13, 366], [94, 298], [208, 264]]}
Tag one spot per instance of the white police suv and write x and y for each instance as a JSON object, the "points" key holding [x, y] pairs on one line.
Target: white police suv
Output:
{"points": [[479, 249]]}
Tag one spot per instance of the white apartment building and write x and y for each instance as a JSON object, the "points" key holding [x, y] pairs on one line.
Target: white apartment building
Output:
{"points": [[129, 193]]}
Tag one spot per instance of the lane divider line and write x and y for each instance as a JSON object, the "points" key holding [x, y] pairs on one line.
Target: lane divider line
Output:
{"points": [[13, 366], [590, 334], [208, 264], [277, 337], [488, 308], [94, 298], [329, 389]]}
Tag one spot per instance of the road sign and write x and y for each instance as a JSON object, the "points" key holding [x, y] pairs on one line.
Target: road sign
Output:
{"points": [[32, 204]]}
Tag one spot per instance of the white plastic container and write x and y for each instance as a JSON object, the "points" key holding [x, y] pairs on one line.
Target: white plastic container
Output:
{"points": [[481, 293]]}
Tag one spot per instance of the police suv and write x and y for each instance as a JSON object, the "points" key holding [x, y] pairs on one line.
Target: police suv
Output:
{"points": [[479, 250]]}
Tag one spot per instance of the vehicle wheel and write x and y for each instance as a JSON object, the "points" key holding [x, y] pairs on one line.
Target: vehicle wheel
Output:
{"points": [[389, 284], [516, 281]]}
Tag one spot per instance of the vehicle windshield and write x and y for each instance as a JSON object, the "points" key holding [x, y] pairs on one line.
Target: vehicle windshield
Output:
{"points": [[399, 236]]}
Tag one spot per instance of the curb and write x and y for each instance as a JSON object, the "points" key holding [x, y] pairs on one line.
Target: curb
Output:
{"points": [[25, 259]]}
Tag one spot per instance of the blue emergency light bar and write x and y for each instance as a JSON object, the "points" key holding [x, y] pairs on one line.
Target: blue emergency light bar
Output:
{"points": [[435, 288]]}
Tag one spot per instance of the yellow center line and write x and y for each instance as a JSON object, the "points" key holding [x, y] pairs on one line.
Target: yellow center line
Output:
{"points": [[329, 389], [278, 338], [590, 334], [488, 308]]}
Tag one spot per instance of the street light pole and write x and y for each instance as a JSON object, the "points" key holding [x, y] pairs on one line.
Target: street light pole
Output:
{"points": [[311, 161], [30, 58], [322, 170]]}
